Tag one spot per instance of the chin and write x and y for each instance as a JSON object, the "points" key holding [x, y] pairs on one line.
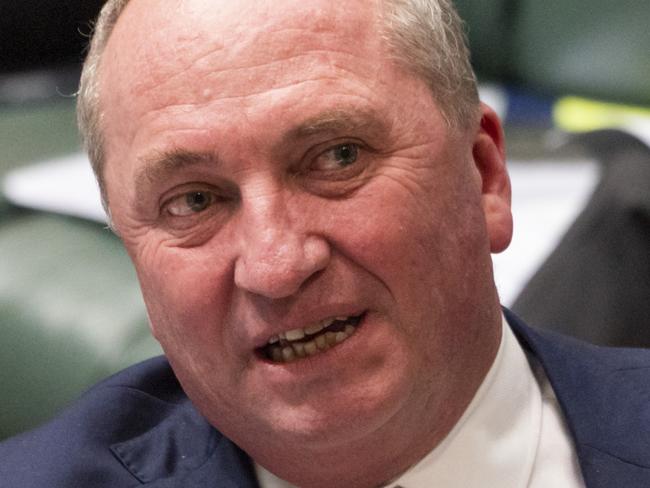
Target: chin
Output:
{"points": [[347, 416]]}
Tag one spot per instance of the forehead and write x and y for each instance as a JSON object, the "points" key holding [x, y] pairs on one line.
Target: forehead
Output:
{"points": [[155, 42], [180, 64]]}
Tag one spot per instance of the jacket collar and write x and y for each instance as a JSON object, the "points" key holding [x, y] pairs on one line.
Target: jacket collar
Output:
{"points": [[604, 395], [184, 451]]}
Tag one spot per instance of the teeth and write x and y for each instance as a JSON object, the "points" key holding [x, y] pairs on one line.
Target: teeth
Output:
{"points": [[276, 354], [290, 346], [322, 342], [314, 329], [294, 335], [327, 322], [297, 334], [310, 348], [299, 349], [288, 354]]}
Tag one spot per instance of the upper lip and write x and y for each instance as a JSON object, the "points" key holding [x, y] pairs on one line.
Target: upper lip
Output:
{"points": [[276, 328]]}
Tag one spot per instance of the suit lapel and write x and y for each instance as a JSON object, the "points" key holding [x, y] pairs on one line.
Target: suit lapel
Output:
{"points": [[605, 398], [184, 451], [227, 467]]}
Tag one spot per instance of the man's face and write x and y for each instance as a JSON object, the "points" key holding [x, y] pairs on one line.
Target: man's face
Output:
{"points": [[270, 170]]}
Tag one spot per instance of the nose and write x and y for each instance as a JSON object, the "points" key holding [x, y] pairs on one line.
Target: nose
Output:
{"points": [[277, 253]]}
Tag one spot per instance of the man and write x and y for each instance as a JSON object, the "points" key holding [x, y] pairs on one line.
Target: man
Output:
{"points": [[310, 193]]}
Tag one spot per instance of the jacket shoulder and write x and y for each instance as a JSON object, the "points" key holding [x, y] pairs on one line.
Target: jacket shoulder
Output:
{"points": [[73, 449]]}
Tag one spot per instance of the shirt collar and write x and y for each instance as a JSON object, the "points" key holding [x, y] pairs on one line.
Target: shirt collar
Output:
{"points": [[496, 439]]}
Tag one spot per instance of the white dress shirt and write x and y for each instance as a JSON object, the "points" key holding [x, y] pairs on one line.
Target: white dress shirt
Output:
{"points": [[512, 435]]}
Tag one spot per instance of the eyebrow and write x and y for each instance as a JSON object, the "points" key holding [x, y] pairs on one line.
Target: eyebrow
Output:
{"points": [[339, 122], [162, 164]]}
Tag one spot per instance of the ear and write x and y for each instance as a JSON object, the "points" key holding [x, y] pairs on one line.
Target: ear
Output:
{"points": [[490, 161]]}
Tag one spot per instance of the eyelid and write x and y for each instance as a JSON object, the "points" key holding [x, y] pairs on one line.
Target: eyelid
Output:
{"points": [[218, 194], [180, 197], [364, 158], [323, 148], [337, 182]]}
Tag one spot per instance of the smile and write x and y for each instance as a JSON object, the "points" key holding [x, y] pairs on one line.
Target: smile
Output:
{"points": [[312, 340]]}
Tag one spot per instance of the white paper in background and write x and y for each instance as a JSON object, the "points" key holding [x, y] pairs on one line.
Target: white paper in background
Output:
{"points": [[495, 97], [65, 185], [639, 127], [547, 197]]}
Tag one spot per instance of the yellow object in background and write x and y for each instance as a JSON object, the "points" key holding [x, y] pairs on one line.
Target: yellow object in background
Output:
{"points": [[575, 114]]}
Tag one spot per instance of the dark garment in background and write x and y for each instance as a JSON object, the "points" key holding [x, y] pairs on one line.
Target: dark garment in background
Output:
{"points": [[596, 284]]}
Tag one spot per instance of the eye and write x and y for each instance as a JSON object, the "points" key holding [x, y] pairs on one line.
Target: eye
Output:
{"points": [[190, 203], [338, 157]]}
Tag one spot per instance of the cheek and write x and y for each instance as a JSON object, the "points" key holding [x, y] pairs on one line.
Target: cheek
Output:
{"points": [[185, 293], [392, 234], [426, 247]]}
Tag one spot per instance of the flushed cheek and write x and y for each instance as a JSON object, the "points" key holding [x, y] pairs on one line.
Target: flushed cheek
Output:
{"points": [[407, 242], [186, 298], [388, 236]]}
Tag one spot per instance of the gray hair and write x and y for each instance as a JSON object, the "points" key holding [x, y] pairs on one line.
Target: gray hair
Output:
{"points": [[425, 37]]}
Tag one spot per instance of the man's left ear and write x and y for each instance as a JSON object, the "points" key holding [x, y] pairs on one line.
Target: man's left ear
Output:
{"points": [[490, 160]]}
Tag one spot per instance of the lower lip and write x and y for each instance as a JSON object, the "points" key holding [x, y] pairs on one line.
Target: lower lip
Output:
{"points": [[313, 362]]}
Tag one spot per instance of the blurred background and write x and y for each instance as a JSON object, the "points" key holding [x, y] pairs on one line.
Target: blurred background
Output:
{"points": [[570, 79]]}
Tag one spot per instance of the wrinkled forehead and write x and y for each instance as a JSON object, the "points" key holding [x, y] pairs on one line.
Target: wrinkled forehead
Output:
{"points": [[158, 40]]}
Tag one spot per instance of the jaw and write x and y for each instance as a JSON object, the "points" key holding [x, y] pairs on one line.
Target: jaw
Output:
{"points": [[321, 409]]}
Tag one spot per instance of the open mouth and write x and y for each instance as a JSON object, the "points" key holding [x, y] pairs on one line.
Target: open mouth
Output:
{"points": [[312, 340]]}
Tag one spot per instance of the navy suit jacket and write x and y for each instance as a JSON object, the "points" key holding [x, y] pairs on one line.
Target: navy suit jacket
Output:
{"points": [[138, 427]]}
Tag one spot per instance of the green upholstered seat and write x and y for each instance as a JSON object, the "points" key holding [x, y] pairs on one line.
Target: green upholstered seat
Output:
{"points": [[594, 48], [70, 308], [71, 314], [488, 32]]}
